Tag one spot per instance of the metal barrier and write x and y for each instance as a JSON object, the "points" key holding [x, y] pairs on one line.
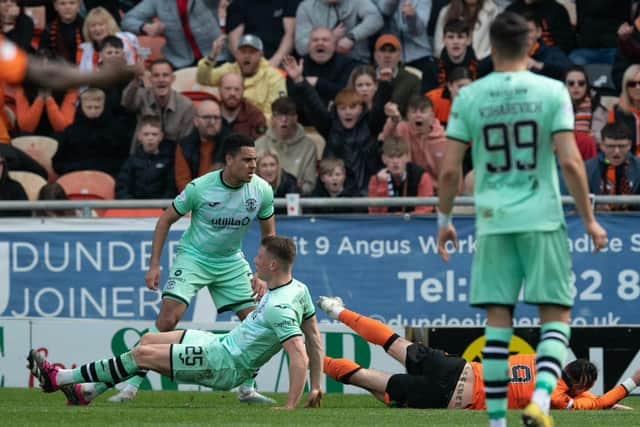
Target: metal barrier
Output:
{"points": [[311, 202]]}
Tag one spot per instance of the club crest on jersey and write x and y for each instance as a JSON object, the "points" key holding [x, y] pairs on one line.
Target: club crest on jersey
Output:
{"points": [[251, 204]]}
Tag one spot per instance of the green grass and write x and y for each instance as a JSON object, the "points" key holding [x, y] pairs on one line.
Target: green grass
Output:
{"points": [[34, 408]]}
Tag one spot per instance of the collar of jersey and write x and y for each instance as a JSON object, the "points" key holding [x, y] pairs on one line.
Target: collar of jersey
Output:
{"points": [[281, 286], [227, 185]]}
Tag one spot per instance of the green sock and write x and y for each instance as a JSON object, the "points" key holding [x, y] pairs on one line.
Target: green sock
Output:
{"points": [[250, 383], [495, 367], [551, 353], [109, 371], [137, 380]]}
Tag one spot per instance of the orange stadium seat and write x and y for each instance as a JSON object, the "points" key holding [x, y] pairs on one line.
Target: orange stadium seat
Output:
{"points": [[186, 83], [131, 213], [88, 185], [31, 182], [40, 148]]}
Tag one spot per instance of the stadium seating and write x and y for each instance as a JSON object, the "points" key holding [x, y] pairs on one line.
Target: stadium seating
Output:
{"points": [[131, 213], [31, 182], [40, 148], [88, 185]]}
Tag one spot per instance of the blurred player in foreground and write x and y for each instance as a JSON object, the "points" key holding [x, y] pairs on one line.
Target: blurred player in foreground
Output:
{"points": [[515, 121], [222, 362], [435, 379]]}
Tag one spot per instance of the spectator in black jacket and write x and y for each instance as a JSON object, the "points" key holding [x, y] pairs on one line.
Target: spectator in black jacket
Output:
{"points": [[596, 27], [323, 68], [148, 173], [349, 128], [63, 34], [16, 25], [554, 18], [91, 141], [10, 190]]}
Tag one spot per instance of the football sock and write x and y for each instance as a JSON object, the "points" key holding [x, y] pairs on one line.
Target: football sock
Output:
{"points": [[370, 329], [551, 352], [109, 371], [495, 367], [136, 380], [340, 369]]}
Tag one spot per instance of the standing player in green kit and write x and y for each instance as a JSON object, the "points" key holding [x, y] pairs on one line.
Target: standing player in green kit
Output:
{"points": [[223, 204], [515, 121]]}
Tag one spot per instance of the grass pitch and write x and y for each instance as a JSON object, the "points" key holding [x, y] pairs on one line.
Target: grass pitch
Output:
{"points": [[31, 407]]}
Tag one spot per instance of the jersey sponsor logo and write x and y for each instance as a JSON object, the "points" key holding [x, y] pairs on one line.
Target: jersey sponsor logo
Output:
{"points": [[251, 204], [230, 222], [192, 355], [285, 323]]}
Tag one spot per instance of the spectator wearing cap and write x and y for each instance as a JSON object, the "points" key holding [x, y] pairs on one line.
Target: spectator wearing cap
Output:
{"points": [[407, 20], [263, 83], [238, 114], [189, 26], [387, 58], [324, 68], [352, 23], [399, 178], [273, 21]]}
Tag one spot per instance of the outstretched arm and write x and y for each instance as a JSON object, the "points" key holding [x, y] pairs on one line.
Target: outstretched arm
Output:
{"points": [[59, 76]]}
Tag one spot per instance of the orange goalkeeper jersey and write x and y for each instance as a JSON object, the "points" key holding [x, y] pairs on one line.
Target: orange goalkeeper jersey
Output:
{"points": [[13, 62], [522, 373], [560, 398]]}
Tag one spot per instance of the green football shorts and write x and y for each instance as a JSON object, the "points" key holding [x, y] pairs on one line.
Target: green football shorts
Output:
{"points": [[503, 261], [200, 358], [228, 280]]}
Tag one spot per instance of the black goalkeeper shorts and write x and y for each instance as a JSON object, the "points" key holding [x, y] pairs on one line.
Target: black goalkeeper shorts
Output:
{"points": [[430, 380]]}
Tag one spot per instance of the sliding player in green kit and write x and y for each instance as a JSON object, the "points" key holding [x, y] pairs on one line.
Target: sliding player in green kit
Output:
{"points": [[285, 313], [222, 204], [515, 121]]}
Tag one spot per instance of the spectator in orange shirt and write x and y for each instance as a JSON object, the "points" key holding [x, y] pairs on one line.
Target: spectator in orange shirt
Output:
{"points": [[400, 178], [442, 97], [40, 111], [435, 379], [627, 110]]}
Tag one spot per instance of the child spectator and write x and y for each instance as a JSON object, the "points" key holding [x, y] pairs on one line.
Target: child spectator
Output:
{"points": [[331, 183], [148, 173], [615, 170], [42, 111], [422, 131], [627, 110], [477, 16], [10, 190], [54, 192], [442, 97], [63, 34], [97, 25], [16, 25], [91, 141], [457, 52], [590, 114], [400, 178]]}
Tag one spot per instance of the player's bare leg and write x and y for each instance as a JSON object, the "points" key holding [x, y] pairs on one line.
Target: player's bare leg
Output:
{"points": [[370, 329], [348, 372]]}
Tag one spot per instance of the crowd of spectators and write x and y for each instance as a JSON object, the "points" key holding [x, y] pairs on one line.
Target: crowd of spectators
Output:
{"points": [[344, 98]]}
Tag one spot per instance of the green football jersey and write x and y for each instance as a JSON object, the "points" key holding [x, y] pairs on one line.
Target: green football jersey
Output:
{"points": [[510, 118], [221, 214], [276, 319]]}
